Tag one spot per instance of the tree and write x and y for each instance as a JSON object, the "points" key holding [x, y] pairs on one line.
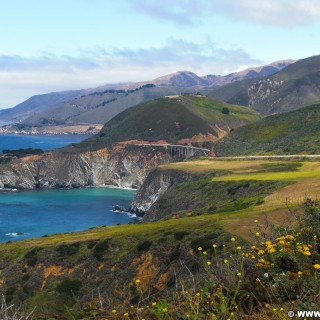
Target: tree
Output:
{"points": [[225, 110]]}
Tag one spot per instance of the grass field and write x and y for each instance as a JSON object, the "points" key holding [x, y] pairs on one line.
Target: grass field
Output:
{"points": [[302, 177]]}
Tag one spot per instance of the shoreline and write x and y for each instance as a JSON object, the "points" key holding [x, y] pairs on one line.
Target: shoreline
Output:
{"points": [[77, 129]]}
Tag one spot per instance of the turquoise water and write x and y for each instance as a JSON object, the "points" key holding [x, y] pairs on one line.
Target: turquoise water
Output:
{"points": [[45, 142], [31, 214]]}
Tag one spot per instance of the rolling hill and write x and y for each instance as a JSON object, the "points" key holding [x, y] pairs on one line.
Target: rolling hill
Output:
{"points": [[295, 86], [180, 119], [295, 132]]}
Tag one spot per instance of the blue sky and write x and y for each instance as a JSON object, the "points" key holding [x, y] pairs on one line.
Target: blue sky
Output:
{"points": [[55, 45]]}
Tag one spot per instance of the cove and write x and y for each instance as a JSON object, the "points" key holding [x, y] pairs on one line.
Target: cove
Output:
{"points": [[30, 214]]}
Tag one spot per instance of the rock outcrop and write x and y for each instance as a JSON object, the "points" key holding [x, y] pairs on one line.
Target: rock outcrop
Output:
{"points": [[123, 166], [156, 184]]}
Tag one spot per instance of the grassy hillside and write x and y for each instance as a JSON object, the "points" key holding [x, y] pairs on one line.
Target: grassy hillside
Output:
{"points": [[135, 265], [293, 87], [175, 118], [245, 190], [295, 132]]}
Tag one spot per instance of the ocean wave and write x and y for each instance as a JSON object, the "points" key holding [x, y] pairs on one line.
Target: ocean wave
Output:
{"points": [[15, 234]]}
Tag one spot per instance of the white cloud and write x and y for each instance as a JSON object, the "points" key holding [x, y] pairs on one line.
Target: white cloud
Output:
{"points": [[283, 13], [185, 12], [21, 77]]}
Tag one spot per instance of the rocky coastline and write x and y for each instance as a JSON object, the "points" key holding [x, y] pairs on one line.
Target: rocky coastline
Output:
{"points": [[84, 129]]}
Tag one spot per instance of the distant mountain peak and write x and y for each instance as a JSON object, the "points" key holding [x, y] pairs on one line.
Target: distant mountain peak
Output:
{"points": [[180, 79], [249, 73]]}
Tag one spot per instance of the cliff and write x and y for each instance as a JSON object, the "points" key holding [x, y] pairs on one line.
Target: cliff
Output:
{"points": [[157, 183], [198, 187], [120, 165]]}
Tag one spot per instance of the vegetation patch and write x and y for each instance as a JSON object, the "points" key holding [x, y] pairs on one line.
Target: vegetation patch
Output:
{"points": [[69, 286], [32, 256], [144, 245], [101, 247], [68, 249], [207, 196], [295, 132]]}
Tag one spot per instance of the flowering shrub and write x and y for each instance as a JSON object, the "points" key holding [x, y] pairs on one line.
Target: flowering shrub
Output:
{"points": [[278, 273]]}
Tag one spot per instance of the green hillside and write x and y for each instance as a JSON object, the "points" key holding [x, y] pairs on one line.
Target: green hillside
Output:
{"points": [[175, 118], [146, 268], [295, 132], [293, 87]]}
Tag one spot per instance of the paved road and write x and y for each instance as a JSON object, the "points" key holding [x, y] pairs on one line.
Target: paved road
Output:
{"points": [[278, 157]]}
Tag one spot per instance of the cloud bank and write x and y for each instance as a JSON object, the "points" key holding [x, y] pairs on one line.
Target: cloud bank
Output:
{"points": [[281, 13]]}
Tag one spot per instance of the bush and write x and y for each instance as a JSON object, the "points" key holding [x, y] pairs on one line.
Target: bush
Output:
{"points": [[32, 257], [101, 248], [225, 110], [68, 249], [144, 245], [179, 235], [69, 286]]}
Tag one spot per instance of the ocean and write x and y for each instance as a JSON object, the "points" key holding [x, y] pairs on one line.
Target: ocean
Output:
{"points": [[45, 142], [28, 214], [31, 214]]}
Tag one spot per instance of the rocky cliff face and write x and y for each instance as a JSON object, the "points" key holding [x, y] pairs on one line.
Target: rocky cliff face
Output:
{"points": [[261, 90], [124, 166], [156, 184]]}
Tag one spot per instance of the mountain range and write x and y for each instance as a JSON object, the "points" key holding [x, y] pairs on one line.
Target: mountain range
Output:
{"points": [[101, 104]]}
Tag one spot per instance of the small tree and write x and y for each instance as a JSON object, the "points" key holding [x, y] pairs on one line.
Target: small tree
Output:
{"points": [[225, 110]]}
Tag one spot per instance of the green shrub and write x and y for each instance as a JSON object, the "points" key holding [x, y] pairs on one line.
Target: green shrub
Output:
{"points": [[32, 257], [144, 245], [100, 249], [179, 235], [68, 249], [69, 286], [225, 110]]}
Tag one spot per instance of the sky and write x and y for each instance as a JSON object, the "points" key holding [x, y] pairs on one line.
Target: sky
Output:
{"points": [[56, 45]]}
